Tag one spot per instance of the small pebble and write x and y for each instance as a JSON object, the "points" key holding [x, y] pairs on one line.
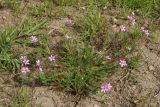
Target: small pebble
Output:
{"points": [[151, 68], [95, 105], [3, 17]]}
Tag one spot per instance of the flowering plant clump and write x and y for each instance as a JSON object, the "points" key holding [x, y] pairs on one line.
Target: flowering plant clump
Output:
{"points": [[83, 59], [78, 65]]}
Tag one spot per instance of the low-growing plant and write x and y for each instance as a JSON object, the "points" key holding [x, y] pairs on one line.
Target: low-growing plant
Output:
{"points": [[145, 6], [93, 22], [12, 37], [77, 65], [100, 3], [7, 59], [22, 98], [65, 2], [9, 3], [43, 9], [46, 79], [82, 68], [13, 4], [155, 11]]}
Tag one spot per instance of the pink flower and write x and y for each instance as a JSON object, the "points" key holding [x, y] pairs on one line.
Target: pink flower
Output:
{"points": [[146, 32], [142, 29], [130, 17], [133, 22], [51, 58], [40, 69], [38, 62], [34, 39], [122, 63], [108, 57], [25, 70], [68, 22], [99, 53], [68, 36], [105, 88], [122, 28], [24, 60]]}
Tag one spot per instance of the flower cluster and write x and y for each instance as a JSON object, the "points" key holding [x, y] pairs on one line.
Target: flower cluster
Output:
{"points": [[25, 62], [132, 20], [146, 32], [106, 87]]}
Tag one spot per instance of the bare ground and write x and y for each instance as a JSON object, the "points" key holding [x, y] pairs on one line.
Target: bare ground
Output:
{"points": [[6, 18]]}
